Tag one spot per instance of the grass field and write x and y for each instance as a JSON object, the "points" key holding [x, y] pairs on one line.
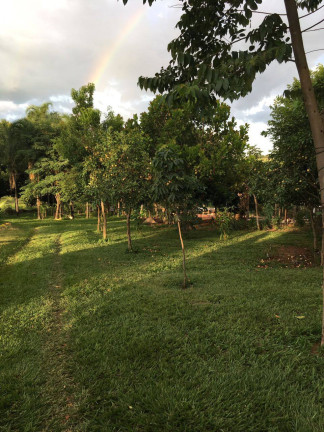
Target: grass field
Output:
{"points": [[97, 339]]}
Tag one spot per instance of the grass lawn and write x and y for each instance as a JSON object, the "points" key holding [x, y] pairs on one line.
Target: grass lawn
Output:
{"points": [[93, 338]]}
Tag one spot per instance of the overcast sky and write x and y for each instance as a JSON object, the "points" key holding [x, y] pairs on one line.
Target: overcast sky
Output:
{"points": [[48, 47]]}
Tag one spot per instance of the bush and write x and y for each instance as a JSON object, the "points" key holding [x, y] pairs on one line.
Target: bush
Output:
{"points": [[224, 222], [301, 217]]}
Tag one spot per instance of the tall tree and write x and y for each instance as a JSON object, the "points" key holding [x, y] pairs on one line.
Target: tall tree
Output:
{"points": [[47, 126], [291, 134], [80, 132], [15, 142]]}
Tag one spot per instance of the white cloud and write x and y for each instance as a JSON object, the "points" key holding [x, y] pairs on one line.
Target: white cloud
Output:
{"points": [[11, 111], [61, 98], [257, 139], [113, 97], [260, 107]]}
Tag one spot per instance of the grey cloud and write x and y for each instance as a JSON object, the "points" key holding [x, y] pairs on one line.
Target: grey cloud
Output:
{"points": [[61, 46]]}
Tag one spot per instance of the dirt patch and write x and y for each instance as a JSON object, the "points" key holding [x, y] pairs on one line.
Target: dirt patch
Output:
{"points": [[289, 257], [315, 348]]}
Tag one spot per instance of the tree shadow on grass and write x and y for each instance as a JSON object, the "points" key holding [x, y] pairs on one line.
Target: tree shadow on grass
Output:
{"points": [[159, 256], [137, 340]]}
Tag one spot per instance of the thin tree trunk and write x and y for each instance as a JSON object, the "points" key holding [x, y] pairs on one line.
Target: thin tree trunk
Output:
{"points": [[58, 206], [13, 186], [87, 210], [16, 200], [98, 223], [294, 214], [256, 212], [185, 279], [38, 203], [129, 239], [286, 218], [311, 106], [313, 230], [104, 221], [71, 210]]}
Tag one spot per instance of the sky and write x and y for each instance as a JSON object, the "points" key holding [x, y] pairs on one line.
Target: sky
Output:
{"points": [[48, 47]]}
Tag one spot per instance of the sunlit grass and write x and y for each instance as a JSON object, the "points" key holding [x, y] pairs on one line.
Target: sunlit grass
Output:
{"points": [[133, 351]]}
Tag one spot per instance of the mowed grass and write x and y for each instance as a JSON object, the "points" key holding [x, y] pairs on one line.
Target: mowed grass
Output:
{"points": [[94, 338]]}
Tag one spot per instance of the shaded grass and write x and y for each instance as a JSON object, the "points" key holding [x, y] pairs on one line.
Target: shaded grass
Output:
{"points": [[145, 355]]}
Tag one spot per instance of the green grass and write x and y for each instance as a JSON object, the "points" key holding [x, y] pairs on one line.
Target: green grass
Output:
{"points": [[8, 202], [94, 338]]}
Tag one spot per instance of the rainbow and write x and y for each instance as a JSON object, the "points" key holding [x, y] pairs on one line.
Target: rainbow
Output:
{"points": [[106, 58]]}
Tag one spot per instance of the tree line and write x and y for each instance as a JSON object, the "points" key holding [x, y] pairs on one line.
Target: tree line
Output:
{"points": [[177, 159]]}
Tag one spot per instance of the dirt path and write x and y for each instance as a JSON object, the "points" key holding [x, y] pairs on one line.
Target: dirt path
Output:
{"points": [[60, 386]]}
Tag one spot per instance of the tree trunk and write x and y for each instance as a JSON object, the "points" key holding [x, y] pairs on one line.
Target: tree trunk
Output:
{"points": [[16, 200], [104, 221], [286, 218], [129, 239], [98, 223], [71, 210], [38, 204], [185, 279], [256, 212], [87, 210], [311, 106], [13, 186], [58, 206], [313, 230]]}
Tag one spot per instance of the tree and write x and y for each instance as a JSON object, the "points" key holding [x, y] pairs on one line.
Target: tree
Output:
{"points": [[290, 133], [127, 166], [80, 133], [222, 148], [46, 127], [176, 187], [253, 177], [50, 172], [205, 63], [15, 143]]}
